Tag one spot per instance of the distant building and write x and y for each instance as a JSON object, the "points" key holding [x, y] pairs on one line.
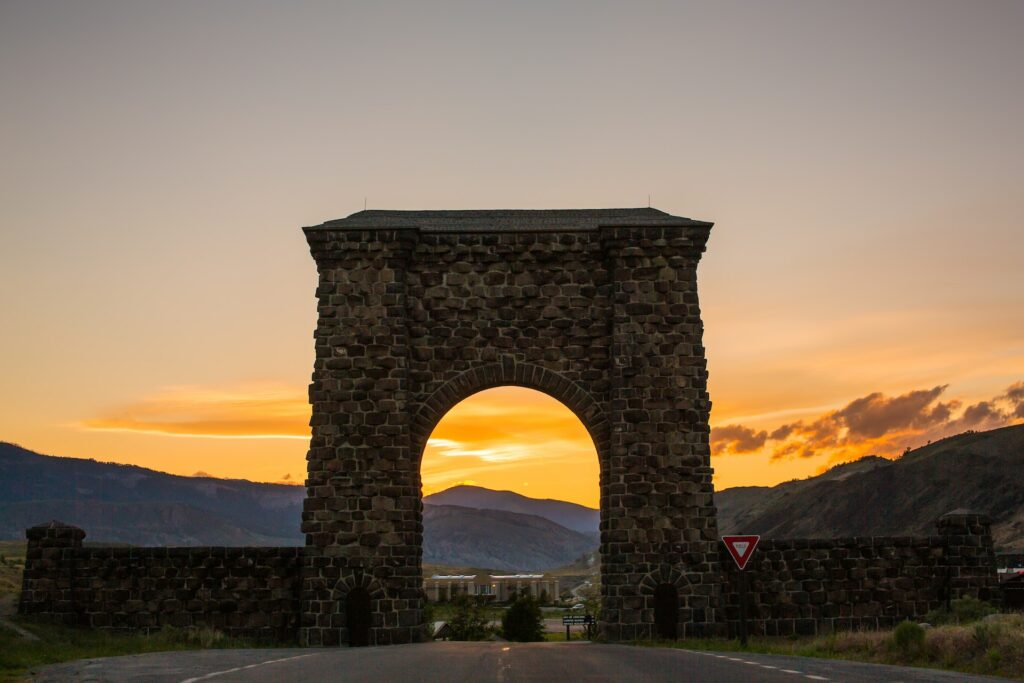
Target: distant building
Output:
{"points": [[501, 588]]}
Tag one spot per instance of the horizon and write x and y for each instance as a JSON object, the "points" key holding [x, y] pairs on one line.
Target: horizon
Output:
{"points": [[462, 485], [861, 292]]}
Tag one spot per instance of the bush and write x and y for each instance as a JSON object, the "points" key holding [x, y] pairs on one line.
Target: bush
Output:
{"points": [[962, 611], [469, 622], [523, 621], [908, 636]]}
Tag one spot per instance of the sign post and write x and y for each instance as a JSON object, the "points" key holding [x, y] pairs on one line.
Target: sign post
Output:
{"points": [[741, 549], [577, 620]]}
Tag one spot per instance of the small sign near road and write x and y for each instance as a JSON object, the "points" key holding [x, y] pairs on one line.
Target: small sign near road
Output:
{"points": [[741, 548], [577, 619]]}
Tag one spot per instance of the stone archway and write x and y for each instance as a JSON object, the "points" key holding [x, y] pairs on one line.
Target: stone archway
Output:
{"points": [[420, 309], [509, 373]]}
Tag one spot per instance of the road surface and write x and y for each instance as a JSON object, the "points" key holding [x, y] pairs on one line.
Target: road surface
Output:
{"points": [[496, 662]]}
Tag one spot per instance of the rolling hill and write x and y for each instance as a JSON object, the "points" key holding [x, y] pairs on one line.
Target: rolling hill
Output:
{"points": [[128, 504], [468, 537], [570, 515], [473, 526], [982, 471]]}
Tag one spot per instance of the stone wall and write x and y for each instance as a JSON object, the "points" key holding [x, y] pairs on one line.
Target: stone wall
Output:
{"points": [[243, 592], [794, 586], [819, 586]]}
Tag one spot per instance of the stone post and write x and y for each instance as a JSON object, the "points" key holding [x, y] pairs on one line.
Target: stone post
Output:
{"points": [[48, 584], [363, 513], [970, 556], [662, 523]]}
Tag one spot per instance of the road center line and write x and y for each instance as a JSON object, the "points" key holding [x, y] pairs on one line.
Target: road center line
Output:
{"points": [[240, 668]]}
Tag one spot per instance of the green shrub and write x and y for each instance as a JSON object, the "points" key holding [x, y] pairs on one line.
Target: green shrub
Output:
{"points": [[908, 637], [962, 611], [469, 621], [986, 635], [523, 621]]}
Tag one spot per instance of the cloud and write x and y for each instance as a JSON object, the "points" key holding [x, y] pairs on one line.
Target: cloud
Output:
{"points": [[875, 414], [1015, 397], [251, 411], [737, 439], [874, 424]]}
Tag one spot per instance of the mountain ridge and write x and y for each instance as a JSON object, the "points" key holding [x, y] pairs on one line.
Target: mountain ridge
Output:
{"points": [[871, 496], [980, 471]]}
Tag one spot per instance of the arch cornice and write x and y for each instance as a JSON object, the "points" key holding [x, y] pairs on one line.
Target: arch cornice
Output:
{"points": [[508, 372], [358, 580], [662, 574]]}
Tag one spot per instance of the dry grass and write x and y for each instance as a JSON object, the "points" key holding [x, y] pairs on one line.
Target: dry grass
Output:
{"points": [[994, 646], [57, 644]]}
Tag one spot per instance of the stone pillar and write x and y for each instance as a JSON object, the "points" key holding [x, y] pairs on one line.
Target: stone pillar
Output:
{"points": [[970, 556], [47, 586], [363, 514], [656, 485]]}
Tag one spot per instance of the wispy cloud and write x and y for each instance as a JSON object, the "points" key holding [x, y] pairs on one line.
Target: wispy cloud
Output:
{"points": [[251, 411], [873, 424]]}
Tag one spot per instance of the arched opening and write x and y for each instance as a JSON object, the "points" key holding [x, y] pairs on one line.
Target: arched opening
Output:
{"points": [[666, 611], [357, 617], [510, 479]]}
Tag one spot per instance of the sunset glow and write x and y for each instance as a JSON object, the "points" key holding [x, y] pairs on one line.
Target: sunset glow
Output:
{"points": [[862, 290], [517, 439]]}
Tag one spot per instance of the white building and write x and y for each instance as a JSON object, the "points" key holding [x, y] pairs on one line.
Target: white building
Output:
{"points": [[500, 588]]}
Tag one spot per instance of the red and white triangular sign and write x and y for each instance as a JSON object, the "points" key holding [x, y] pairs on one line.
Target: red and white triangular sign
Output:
{"points": [[741, 548]]}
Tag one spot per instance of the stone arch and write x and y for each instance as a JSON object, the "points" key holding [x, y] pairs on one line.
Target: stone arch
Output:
{"points": [[509, 373], [420, 309]]}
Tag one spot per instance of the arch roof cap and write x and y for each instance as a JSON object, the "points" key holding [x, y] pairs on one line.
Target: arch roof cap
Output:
{"points": [[508, 220]]}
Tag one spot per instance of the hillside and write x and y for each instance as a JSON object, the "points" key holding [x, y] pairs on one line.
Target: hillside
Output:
{"points": [[134, 505], [508, 541], [142, 506], [469, 525], [981, 471], [570, 515]]}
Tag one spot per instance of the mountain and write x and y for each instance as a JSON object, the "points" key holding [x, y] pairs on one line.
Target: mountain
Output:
{"points": [[570, 515], [128, 504], [982, 471], [462, 536]]}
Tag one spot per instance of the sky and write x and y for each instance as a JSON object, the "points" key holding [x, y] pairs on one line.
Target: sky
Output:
{"points": [[862, 290]]}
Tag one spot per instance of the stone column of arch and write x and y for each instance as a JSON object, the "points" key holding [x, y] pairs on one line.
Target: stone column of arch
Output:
{"points": [[418, 310], [658, 515]]}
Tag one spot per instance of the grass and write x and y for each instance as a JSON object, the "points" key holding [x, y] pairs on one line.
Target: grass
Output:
{"points": [[58, 644], [993, 646], [12, 564]]}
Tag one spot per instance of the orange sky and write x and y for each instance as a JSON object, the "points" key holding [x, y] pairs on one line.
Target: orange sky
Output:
{"points": [[862, 289]]}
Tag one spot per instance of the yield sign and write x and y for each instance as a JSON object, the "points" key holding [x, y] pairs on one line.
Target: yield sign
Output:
{"points": [[741, 548]]}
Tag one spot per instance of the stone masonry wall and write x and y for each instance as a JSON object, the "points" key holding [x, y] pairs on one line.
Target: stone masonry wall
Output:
{"points": [[794, 586], [819, 586], [243, 592]]}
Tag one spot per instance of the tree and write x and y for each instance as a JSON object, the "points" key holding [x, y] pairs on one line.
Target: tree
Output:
{"points": [[523, 621], [591, 594], [469, 620]]}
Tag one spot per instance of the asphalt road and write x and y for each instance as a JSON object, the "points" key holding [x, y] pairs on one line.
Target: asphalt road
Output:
{"points": [[490, 661]]}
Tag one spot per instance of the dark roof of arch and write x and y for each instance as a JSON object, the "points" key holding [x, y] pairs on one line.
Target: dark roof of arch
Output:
{"points": [[507, 220]]}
